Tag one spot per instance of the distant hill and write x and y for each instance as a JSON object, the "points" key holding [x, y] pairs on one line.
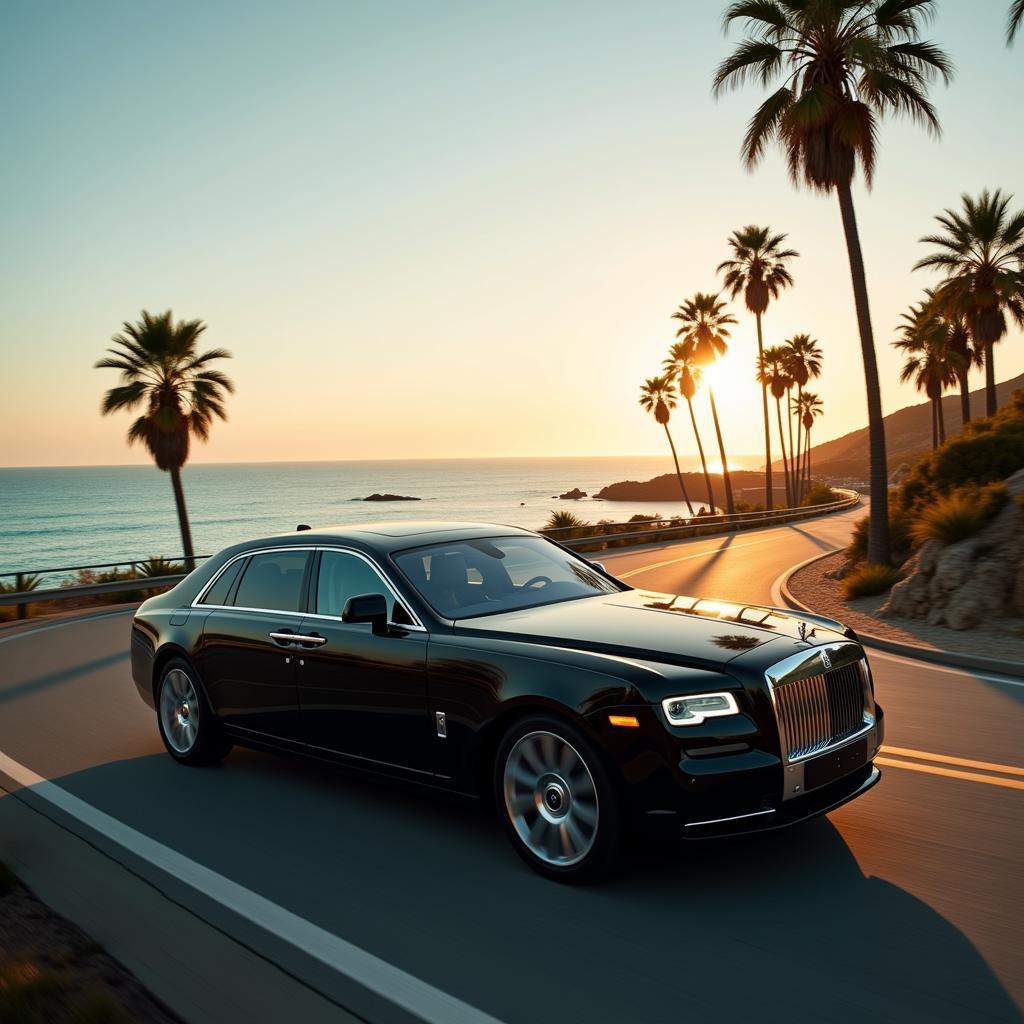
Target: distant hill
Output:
{"points": [[908, 434]]}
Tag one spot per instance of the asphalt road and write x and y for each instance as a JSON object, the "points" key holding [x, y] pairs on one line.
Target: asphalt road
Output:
{"points": [[906, 905]]}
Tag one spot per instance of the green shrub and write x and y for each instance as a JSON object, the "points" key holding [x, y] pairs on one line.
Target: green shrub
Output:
{"points": [[870, 579], [820, 494], [900, 540], [988, 451], [959, 515]]}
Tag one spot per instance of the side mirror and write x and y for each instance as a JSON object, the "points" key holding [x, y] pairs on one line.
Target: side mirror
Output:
{"points": [[372, 608], [599, 565]]}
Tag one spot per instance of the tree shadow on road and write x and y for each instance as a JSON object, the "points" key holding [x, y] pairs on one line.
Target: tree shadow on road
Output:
{"points": [[777, 927]]}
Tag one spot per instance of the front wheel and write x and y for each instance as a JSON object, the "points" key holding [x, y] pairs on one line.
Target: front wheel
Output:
{"points": [[189, 729], [557, 801]]}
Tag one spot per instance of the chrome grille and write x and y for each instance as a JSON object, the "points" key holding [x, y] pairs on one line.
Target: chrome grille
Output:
{"points": [[821, 710]]}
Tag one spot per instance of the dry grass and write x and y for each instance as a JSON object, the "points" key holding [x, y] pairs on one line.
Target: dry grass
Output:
{"points": [[959, 515], [869, 580]]}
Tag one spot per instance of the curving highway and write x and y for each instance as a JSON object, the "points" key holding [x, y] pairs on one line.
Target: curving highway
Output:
{"points": [[906, 905]]}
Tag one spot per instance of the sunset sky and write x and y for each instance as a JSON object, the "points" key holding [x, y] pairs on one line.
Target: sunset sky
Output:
{"points": [[434, 229]]}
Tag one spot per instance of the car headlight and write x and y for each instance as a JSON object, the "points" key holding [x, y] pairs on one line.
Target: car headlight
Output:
{"points": [[693, 710]]}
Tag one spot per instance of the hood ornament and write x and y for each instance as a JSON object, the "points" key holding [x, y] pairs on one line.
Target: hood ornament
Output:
{"points": [[826, 660]]}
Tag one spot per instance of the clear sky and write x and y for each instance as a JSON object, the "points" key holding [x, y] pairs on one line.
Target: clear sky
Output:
{"points": [[433, 229]]}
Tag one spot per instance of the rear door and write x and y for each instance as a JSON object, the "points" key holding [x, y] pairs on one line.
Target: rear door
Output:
{"points": [[363, 696], [247, 659]]}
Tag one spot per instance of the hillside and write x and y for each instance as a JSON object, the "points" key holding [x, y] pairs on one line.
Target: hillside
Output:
{"points": [[908, 434]]}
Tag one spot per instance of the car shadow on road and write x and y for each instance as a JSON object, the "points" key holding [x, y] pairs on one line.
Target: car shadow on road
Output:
{"points": [[775, 927]]}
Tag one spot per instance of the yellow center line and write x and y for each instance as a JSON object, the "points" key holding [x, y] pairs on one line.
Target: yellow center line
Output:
{"points": [[952, 773], [964, 762]]}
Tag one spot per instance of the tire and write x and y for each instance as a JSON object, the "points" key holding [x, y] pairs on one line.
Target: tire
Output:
{"points": [[188, 727], [557, 801]]}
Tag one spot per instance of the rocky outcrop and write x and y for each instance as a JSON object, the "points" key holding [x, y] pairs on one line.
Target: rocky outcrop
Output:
{"points": [[963, 585], [574, 495], [388, 497]]}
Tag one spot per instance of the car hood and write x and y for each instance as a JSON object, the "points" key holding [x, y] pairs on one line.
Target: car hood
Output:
{"points": [[647, 625]]}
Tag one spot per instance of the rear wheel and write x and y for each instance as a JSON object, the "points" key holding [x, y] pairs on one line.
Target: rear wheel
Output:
{"points": [[557, 801], [189, 729]]}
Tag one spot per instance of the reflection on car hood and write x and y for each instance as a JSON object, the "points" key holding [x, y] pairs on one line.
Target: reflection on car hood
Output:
{"points": [[648, 625]]}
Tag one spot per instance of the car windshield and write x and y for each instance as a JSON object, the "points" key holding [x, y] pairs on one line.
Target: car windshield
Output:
{"points": [[466, 578]]}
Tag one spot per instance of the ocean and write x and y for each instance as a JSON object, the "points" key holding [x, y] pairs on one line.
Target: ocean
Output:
{"points": [[52, 517]]}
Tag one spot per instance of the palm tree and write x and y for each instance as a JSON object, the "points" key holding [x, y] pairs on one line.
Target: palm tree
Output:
{"points": [[680, 364], [981, 251], [705, 325], [930, 361], [1016, 15], [844, 65], [162, 370], [803, 363], [812, 407], [758, 269], [959, 341], [658, 396], [772, 373]]}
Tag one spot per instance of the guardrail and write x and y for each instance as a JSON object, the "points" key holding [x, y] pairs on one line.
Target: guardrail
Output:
{"points": [[652, 532], [139, 580]]}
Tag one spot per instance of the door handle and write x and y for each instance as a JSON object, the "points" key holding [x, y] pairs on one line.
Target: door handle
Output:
{"points": [[298, 638]]}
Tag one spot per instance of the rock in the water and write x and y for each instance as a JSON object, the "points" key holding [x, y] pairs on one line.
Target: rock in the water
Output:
{"points": [[574, 495], [390, 497]]}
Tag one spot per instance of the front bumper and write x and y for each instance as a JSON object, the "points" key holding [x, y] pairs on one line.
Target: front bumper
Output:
{"points": [[790, 812]]}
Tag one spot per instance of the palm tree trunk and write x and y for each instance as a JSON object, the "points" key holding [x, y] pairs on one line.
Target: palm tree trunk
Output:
{"points": [[679, 475], [878, 524], [792, 450], [965, 398], [799, 449], [730, 505], [769, 500], [808, 458], [935, 426], [942, 419], [785, 461], [990, 380], [186, 532], [703, 461]]}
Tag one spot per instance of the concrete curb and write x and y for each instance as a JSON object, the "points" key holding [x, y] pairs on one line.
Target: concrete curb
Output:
{"points": [[783, 597]]}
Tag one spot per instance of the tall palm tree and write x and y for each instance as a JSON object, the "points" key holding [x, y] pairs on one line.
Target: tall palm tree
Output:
{"points": [[981, 251], [960, 342], [163, 371], [758, 269], [772, 373], [681, 365], [803, 359], [843, 65], [1016, 16], [705, 324], [812, 408], [658, 396], [930, 362]]}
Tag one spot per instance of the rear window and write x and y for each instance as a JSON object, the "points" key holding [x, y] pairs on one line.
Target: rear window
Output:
{"points": [[218, 593], [273, 580]]}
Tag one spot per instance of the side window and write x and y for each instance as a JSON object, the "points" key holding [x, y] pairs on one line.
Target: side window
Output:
{"points": [[273, 580], [343, 575], [218, 593]]}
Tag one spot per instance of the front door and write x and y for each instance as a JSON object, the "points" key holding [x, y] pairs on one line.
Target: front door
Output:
{"points": [[246, 658], [362, 695]]}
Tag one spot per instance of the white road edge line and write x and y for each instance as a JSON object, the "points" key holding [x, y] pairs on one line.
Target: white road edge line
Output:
{"points": [[391, 983]]}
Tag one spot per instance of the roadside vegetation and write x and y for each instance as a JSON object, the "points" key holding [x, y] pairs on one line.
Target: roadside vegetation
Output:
{"points": [[954, 491], [870, 579]]}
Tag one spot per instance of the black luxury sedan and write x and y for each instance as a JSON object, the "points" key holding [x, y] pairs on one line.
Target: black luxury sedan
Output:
{"points": [[494, 662]]}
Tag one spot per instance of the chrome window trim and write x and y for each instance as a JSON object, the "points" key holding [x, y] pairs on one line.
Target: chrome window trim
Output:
{"points": [[809, 663], [735, 817], [416, 626]]}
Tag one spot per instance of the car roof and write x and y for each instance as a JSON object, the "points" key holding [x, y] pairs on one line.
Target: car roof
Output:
{"points": [[386, 537]]}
